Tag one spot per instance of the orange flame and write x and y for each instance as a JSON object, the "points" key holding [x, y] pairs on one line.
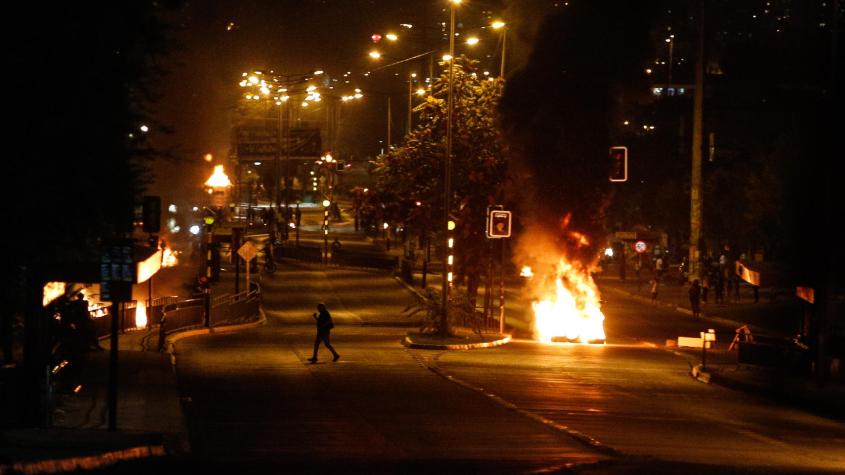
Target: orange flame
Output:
{"points": [[526, 272], [571, 311], [141, 314], [52, 291], [169, 258]]}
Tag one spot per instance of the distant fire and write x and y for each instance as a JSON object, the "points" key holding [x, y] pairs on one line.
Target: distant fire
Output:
{"points": [[526, 272], [140, 315], [168, 258], [52, 291], [569, 306]]}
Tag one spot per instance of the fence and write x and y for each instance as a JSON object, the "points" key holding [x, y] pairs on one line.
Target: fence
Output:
{"points": [[234, 308], [172, 314], [102, 316]]}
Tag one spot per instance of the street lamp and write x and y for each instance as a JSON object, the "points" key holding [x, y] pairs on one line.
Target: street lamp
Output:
{"points": [[500, 25], [447, 179], [277, 89], [671, 41]]}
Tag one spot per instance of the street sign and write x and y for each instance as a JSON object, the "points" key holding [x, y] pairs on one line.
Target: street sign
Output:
{"points": [[117, 271], [259, 142], [499, 224], [248, 251], [640, 246]]}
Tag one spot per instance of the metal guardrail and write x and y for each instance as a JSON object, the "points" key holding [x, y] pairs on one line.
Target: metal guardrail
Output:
{"points": [[224, 309], [102, 316]]}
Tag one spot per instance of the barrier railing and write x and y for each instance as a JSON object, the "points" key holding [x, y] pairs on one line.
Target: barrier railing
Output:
{"points": [[171, 314], [101, 316]]}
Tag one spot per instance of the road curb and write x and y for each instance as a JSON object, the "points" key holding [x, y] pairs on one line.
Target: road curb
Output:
{"points": [[699, 374], [460, 346], [720, 320], [86, 462], [172, 339]]}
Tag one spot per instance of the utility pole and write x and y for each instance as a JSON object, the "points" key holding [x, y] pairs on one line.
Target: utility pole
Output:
{"points": [[410, 102], [695, 182], [389, 119], [447, 179]]}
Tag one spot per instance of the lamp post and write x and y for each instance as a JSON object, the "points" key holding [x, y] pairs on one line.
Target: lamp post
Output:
{"points": [[217, 185], [447, 178], [500, 25], [671, 41], [276, 88], [377, 55]]}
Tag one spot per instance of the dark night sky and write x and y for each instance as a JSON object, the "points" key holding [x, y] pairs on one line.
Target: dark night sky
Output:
{"points": [[288, 37]]}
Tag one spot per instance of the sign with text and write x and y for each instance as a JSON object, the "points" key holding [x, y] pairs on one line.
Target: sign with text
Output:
{"points": [[261, 143], [117, 271]]}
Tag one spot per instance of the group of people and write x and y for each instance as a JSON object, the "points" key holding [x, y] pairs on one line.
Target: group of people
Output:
{"points": [[716, 273]]}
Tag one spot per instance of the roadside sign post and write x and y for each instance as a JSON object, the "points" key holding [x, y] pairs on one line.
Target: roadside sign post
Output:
{"points": [[248, 251], [117, 274], [499, 227]]}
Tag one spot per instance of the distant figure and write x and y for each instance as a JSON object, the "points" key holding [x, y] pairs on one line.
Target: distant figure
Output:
{"points": [[659, 268], [298, 215], [654, 289], [336, 245], [719, 287], [82, 319], [324, 328], [695, 299]]}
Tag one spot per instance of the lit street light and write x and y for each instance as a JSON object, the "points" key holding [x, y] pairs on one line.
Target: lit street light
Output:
{"points": [[500, 25]]}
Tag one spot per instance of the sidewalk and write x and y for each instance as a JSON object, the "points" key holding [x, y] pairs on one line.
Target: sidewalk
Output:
{"points": [[770, 318], [150, 422], [149, 416]]}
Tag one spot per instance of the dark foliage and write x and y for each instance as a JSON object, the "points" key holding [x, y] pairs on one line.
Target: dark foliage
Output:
{"points": [[82, 77]]}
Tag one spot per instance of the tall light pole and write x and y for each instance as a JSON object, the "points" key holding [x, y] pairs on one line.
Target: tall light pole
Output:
{"points": [[447, 179], [695, 180], [500, 25], [671, 41]]}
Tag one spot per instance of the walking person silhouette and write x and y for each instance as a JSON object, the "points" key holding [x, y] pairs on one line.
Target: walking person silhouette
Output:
{"points": [[324, 328]]}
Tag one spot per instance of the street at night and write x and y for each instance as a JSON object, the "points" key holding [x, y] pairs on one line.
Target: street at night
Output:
{"points": [[448, 236]]}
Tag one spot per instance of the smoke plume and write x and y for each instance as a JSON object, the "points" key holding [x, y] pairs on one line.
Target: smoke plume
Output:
{"points": [[556, 116]]}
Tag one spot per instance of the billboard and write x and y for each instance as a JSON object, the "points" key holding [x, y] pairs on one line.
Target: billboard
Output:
{"points": [[259, 143]]}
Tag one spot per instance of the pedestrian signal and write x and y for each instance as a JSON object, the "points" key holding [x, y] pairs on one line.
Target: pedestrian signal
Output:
{"points": [[618, 164], [499, 224]]}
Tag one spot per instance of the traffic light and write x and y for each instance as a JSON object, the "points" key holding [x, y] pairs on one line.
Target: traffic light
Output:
{"points": [[618, 164], [151, 212], [499, 224]]}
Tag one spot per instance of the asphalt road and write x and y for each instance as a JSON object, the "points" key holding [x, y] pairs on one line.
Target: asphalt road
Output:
{"points": [[251, 400]]}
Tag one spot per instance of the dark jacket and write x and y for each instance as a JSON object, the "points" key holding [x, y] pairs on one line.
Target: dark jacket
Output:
{"points": [[324, 321]]}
